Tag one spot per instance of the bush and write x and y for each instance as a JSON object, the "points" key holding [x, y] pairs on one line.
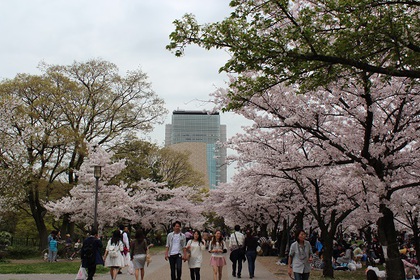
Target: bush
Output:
{"points": [[5, 238], [3, 255], [22, 252]]}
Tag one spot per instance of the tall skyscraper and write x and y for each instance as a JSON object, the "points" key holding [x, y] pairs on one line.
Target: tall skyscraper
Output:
{"points": [[199, 132]]}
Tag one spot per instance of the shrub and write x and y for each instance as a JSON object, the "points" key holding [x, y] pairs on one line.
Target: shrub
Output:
{"points": [[5, 238], [22, 252]]}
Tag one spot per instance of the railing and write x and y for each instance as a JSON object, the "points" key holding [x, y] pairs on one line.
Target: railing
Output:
{"points": [[25, 241]]}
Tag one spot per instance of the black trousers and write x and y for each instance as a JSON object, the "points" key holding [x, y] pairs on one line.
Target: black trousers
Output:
{"points": [[236, 257], [195, 273], [91, 269], [175, 261]]}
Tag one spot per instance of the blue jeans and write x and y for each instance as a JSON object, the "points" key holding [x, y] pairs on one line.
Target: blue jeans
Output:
{"points": [[301, 276], [251, 256], [175, 261]]}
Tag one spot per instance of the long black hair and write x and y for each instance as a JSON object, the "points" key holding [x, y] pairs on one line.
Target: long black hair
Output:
{"points": [[116, 237], [200, 239]]}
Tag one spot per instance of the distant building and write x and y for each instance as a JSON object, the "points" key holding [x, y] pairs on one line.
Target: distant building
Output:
{"points": [[199, 132]]}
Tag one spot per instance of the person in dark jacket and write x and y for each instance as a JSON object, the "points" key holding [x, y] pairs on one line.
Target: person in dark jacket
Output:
{"points": [[91, 253], [251, 244]]}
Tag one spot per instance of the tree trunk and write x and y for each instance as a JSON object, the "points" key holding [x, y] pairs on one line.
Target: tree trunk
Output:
{"points": [[284, 239], [67, 226], [38, 212], [263, 228], [328, 271], [274, 232], [388, 238], [299, 220], [416, 238]]}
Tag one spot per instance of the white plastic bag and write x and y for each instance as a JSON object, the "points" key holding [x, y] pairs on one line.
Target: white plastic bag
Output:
{"points": [[81, 274], [130, 268]]}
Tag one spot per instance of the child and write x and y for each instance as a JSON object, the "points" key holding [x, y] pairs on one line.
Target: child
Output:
{"points": [[76, 247]]}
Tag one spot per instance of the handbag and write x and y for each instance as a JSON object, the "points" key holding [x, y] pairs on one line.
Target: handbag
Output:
{"points": [[113, 253], [81, 274], [241, 250]]}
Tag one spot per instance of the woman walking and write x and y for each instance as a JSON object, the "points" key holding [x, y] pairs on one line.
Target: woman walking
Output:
{"points": [[300, 256], [251, 244], [217, 248], [113, 254], [138, 253], [196, 246]]}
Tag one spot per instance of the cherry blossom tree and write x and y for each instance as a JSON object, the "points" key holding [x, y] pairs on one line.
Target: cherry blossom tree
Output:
{"points": [[13, 168], [146, 203], [234, 202], [366, 128], [406, 208]]}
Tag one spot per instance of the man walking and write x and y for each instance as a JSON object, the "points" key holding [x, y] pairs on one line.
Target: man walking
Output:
{"points": [[176, 250], [90, 253], [236, 243]]}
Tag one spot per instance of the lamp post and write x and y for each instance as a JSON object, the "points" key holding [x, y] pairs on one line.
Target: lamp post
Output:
{"points": [[97, 175]]}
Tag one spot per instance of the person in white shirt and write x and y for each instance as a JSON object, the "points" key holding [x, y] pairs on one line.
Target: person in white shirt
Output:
{"points": [[300, 257], [237, 254], [126, 242], [176, 250], [195, 246]]}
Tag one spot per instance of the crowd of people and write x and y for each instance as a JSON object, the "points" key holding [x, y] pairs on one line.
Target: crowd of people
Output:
{"points": [[70, 251], [189, 246], [304, 254], [181, 246], [350, 252]]}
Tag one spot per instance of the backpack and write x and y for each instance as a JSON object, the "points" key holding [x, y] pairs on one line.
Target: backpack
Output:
{"points": [[114, 251], [89, 253]]}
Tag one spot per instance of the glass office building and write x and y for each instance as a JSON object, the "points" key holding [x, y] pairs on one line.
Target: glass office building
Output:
{"points": [[200, 127]]}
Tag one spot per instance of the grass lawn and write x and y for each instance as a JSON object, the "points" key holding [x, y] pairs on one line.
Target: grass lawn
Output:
{"points": [[39, 266]]}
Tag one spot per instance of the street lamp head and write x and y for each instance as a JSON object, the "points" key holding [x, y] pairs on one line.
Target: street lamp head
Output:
{"points": [[97, 171]]}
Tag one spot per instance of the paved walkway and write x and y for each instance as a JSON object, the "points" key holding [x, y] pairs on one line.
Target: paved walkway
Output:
{"points": [[157, 270]]}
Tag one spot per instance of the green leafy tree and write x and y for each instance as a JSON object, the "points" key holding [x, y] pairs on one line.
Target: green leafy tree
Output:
{"points": [[63, 109], [145, 160], [310, 43]]}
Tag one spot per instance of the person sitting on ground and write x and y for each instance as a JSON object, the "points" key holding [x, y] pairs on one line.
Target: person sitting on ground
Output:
{"points": [[410, 269], [317, 260], [345, 257]]}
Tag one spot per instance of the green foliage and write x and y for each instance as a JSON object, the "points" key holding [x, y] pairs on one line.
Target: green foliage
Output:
{"points": [[46, 268], [5, 238], [145, 160], [213, 221], [308, 43], [56, 114], [22, 252]]}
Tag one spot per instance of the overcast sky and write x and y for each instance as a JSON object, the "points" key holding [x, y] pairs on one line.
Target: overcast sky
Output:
{"points": [[130, 33]]}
